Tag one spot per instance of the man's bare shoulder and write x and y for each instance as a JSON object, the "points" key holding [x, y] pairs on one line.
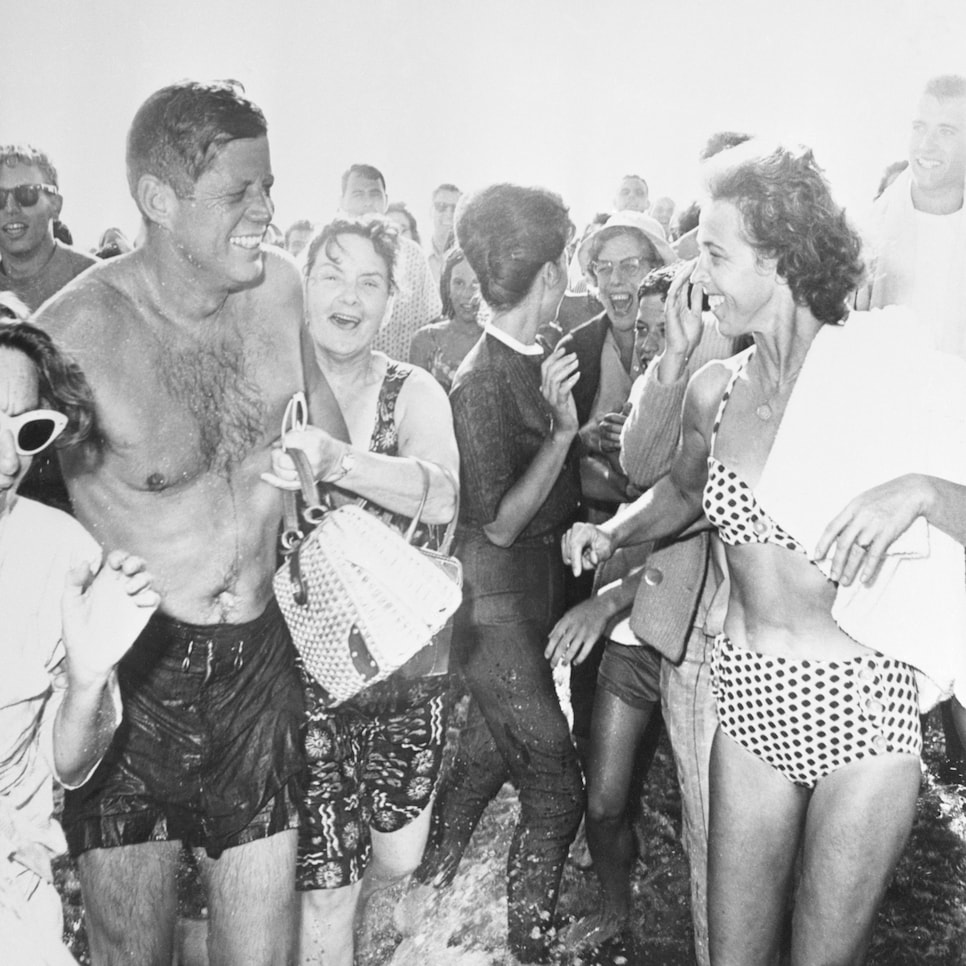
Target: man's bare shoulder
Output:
{"points": [[281, 280], [97, 295], [95, 310]]}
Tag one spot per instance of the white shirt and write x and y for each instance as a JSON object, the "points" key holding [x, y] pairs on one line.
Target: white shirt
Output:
{"points": [[38, 546]]}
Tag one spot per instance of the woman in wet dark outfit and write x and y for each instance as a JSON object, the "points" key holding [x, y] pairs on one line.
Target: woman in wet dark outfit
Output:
{"points": [[515, 424]]}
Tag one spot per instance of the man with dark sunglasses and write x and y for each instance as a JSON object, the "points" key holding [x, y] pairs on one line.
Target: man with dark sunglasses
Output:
{"points": [[191, 344], [33, 264]]}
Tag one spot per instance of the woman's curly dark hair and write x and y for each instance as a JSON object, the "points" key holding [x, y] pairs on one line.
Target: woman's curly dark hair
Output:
{"points": [[62, 385], [789, 215], [377, 229]]}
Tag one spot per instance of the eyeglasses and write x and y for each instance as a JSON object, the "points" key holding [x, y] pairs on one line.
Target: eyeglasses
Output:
{"points": [[626, 266], [444, 206], [34, 430], [26, 195]]}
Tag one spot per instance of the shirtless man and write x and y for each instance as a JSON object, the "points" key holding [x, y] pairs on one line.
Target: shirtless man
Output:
{"points": [[191, 346]]}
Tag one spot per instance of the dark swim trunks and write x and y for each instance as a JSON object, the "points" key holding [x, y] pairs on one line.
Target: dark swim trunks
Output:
{"points": [[208, 750]]}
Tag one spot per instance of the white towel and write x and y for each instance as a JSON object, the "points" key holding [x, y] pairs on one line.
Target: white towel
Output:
{"points": [[871, 404]]}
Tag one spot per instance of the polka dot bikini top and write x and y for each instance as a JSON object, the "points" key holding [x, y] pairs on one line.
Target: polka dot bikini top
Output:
{"points": [[729, 502]]}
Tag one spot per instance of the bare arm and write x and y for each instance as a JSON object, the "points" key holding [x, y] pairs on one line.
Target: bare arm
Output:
{"points": [[650, 435], [102, 617], [525, 496], [863, 532], [665, 509], [424, 422], [575, 634]]}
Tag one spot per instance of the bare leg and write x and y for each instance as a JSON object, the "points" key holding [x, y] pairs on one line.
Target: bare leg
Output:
{"points": [[858, 823], [130, 901], [325, 937], [616, 732], [395, 856], [756, 822], [252, 919]]}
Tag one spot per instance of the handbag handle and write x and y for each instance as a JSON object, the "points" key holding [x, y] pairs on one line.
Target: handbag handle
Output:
{"points": [[314, 509], [450, 531]]}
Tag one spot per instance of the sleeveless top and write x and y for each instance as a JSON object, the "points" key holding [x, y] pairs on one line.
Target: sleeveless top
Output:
{"points": [[385, 440], [730, 504]]}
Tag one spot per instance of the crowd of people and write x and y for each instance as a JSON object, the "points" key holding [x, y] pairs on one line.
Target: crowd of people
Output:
{"points": [[713, 463]]}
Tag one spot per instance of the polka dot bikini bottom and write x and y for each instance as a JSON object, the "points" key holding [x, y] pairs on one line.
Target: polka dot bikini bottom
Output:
{"points": [[808, 718]]}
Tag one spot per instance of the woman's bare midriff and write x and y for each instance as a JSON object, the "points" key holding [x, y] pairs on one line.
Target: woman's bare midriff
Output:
{"points": [[781, 604]]}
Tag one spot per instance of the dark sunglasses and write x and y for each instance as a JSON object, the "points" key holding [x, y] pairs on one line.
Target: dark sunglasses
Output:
{"points": [[33, 431], [26, 195]]}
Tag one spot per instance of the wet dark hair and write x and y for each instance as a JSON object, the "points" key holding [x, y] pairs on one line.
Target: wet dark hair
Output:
{"points": [[508, 234], [658, 281], [453, 257], [62, 384], [179, 130], [366, 171], [380, 231], [400, 207], [789, 214]]}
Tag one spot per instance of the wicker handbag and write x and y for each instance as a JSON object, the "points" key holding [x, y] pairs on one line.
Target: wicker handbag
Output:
{"points": [[359, 599]]}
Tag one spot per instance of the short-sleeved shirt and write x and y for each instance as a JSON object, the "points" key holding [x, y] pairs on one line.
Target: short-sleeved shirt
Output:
{"points": [[501, 421], [65, 264]]}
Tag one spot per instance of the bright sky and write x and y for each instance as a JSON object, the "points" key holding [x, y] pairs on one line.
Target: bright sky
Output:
{"points": [[566, 93]]}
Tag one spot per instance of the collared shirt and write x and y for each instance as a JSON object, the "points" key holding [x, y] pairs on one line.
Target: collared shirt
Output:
{"points": [[534, 349]]}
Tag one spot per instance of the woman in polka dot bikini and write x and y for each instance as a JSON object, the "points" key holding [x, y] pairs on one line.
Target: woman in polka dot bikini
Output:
{"points": [[819, 738]]}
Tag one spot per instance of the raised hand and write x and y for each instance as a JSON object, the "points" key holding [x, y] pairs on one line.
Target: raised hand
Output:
{"points": [[682, 317], [558, 376], [609, 429], [103, 614]]}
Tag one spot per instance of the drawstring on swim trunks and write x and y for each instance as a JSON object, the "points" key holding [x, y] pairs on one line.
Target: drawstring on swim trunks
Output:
{"points": [[238, 661]]}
